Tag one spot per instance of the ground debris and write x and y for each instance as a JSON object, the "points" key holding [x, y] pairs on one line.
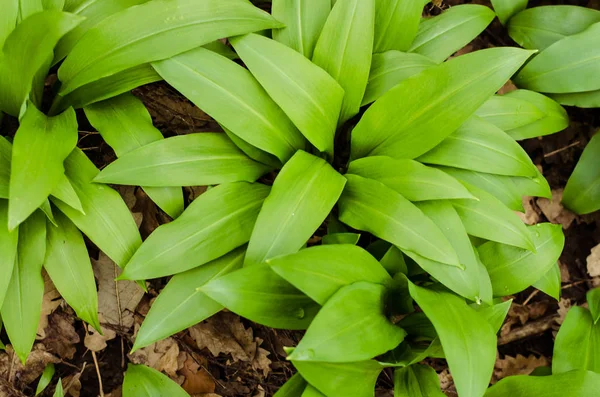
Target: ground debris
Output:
{"points": [[519, 365]]}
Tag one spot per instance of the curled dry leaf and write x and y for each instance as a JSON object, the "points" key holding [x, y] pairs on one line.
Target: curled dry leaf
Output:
{"points": [[20, 375], [531, 215], [563, 308], [519, 365], [72, 385], [61, 336], [554, 210], [197, 379], [162, 356]]}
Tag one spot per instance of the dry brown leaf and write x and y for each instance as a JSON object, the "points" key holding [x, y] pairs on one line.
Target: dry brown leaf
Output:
{"points": [[50, 303], [565, 276], [261, 360], [118, 392], [593, 262], [554, 210], [61, 336], [519, 365], [531, 215], [260, 392], [197, 379], [563, 308], [72, 385], [162, 356], [13, 370]]}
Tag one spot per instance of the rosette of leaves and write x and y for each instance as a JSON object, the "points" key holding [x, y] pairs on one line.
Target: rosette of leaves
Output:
{"points": [[48, 195]]}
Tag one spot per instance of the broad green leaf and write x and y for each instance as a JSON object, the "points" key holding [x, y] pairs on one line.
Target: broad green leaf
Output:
{"points": [[539, 27], [302, 196], [417, 381], [206, 158], [341, 238], [537, 186], [345, 48], [47, 210], [489, 219], [45, 378], [569, 65], [65, 192], [307, 94], [252, 151], [40, 147], [582, 194], [550, 283], [27, 54], [8, 250], [371, 206], [130, 38], [260, 295], [310, 391], [478, 145], [513, 269], [303, 22], [569, 384], [53, 4], [180, 305], [506, 9], [593, 299], [214, 224], [58, 392], [410, 178], [441, 36], [29, 7], [351, 326], [231, 95], [68, 265], [126, 125], [8, 19], [577, 344], [468, 340], [5, 159], [396, 24], [408, 354], [321, 271], [341, 379], [507, 112], [390, 68], [293, 387], [495, 314], [434, 104], [142, 381], [393, 261], [555, 116], [22, 305], [587, 99], [107, 220]]}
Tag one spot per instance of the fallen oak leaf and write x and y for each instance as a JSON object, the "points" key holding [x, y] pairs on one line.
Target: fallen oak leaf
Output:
{"points": [[519, 365], [162, 356], [197, 379]]}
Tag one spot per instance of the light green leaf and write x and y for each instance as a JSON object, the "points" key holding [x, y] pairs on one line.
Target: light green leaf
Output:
{"points": [[307, 94], [107, 220], [495, 314], [142, 381], [536, 187], [550, 283], [222, 49], [68, 265], [393, 261], [569, 65], [5, 159], [410, 178], [252, 151], [468, 340], [417, 381], [53, 4], [45, 378], [293, 387], [508, 112], [539, 27], [58, 392], [8, 19], [47, 210], [434, 104], [130, 38], [341, 238], [126, 125], [396, 24], [506, 9], [65, 192], [587, 99], [441, 36], [570, 384], [260, 295], [354, 316], [310, 391], [478, 145], [303, 22], [206, 158], [373, 207], [390, 68], [302, 196], [577, 344], [8, 248], [321, 271], [593, 299], [345, 48], [22, 305], [180, 305], [40, 147], [29, 7], [231, 95], [582, 193]]}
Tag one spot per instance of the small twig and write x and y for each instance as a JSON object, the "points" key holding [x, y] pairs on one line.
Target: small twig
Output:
{"points": [[98, 373], [116, 273], [554, 152], [529, 329], [530, 297]]}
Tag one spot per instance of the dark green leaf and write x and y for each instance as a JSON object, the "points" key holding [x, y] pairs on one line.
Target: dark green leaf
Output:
{"points": [[495, 314], [570, 384], [417, 381], [142, 381], [341, 238], [8, 19], [293, 387], [506, 9], [5, 159], [396, 24], [582, 194], [65, 192], [28, 8], [577, 344], [393, 261]]}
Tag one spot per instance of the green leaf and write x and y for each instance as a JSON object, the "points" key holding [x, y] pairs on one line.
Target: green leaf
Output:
{"points": [[126, 125], [396, 24], [231, 95], [417, 381], [341, 238], [58, 392], [588, 99], [29, 7], [205, 158], [539, 27], [410, 178], [434, 104], [373, 207], [310, 391], [513, 269], [593, 299], [68, 265], [582, 193], [142, 381], [260, 295], [252, 151], [321, 271], [107, 220], [345, 48], [570, 384], [8, 248], [506, 9], [569, 65], [26, 57], [495, 314], [307, 94], [8, 19], [302, 196], [441, 36], [45, 378], [489, 219], [303, 22], [577, 344], [53, 4], [468, 340], [354, 316], [47, 210], [22, 305], [478, 145], [537, 186], [550, 283], [40, 147], [180, 305], [65, 192], [393, 261], [5, 160], [184, 24], [390, 68], [293, 387], [508, 112]]}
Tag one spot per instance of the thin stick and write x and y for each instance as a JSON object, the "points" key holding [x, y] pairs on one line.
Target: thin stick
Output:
{"points": [[98, 373], [120, 316], [561, 149]]}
